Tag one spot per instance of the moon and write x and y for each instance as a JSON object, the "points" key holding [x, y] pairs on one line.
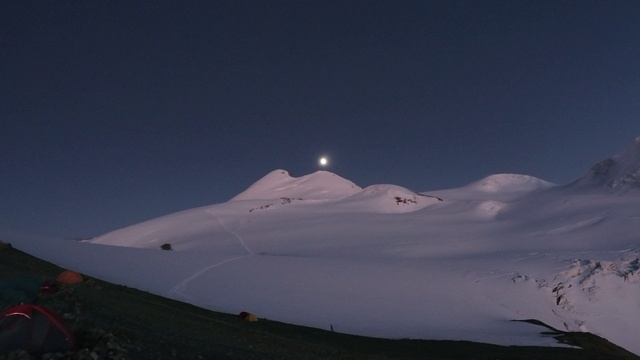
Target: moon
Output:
{"points": [[323, 161]]}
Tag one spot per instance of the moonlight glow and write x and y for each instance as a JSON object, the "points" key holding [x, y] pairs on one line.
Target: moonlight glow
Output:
{"points": [[323, 161]]}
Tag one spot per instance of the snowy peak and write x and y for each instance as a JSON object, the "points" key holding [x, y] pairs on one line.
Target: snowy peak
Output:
{"points": [[511, 183], [387, 199], [320, 185], [619, 172]]}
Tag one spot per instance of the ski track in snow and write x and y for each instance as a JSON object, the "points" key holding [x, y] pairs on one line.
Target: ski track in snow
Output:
{"points": [[233, 233], [182, 285]]}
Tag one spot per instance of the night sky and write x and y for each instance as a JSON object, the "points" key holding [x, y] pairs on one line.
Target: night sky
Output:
{"points": [[113, 112]]}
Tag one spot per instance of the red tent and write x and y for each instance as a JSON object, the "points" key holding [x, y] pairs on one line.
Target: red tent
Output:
{"points": [[35, 329], [69, 277]]}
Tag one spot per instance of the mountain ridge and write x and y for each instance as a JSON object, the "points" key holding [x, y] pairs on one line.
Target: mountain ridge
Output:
{"points": [[319, 185], [620, 172]]}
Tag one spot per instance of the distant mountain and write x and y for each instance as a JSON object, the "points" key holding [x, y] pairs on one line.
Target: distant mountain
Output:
{"points": [[620, 172], [319, 185], [510, 183], [497, 187]]}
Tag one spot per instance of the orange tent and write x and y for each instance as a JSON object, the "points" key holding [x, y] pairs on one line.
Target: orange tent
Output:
{"points": [[69, 277], [247, 316]]}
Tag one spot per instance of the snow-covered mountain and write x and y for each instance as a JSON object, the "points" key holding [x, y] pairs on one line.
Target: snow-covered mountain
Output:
{"points": [[320, 185], [620, 172], [510, 183], [386, 261]]}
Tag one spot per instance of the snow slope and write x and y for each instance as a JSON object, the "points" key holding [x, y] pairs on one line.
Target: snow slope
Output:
{"points": [[385, 261]]}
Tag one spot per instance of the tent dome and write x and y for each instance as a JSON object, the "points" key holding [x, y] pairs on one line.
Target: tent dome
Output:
{"points": [[35, 329], [69, 277]]}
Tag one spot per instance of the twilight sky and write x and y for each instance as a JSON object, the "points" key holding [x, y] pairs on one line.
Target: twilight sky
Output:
{"points": [[113, 112]]}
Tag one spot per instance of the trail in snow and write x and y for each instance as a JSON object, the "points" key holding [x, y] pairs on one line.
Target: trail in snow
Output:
{"points": [[233, 233], [182, 285], [180, 288]]}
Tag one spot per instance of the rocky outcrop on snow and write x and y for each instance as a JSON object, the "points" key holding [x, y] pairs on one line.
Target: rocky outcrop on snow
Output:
{"points": [[387, 198], [588, 284]]}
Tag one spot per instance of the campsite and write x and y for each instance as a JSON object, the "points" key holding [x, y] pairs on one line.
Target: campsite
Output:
{"points": [[115, 322]]}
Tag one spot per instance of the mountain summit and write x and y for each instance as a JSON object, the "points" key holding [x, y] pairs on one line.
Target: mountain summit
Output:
{"points": [[320, 185], [509, 183], [619, 172]]}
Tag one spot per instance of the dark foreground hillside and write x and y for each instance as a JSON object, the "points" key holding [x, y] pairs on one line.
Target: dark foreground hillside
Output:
{"points": [[116, 322]]}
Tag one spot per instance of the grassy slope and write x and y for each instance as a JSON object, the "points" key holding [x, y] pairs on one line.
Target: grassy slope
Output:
{"points": [[152, 327]]}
